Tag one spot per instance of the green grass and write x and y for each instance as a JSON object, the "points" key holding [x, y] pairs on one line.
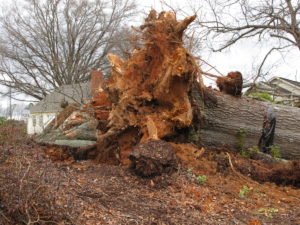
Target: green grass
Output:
{"points": [[262, 96]]}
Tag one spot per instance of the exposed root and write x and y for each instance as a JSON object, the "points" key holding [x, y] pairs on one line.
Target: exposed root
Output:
{"points": [[232, 84], [247, 179], [150, 90]]}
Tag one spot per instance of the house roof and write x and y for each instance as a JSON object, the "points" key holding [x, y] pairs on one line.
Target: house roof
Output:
{"points": [[259, 85], [274, 87], [279, 90], [291, 81], [292, 89], [71, 93]]}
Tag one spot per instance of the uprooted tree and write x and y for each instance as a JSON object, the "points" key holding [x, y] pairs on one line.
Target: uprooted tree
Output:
{"points": [[158, 94]]}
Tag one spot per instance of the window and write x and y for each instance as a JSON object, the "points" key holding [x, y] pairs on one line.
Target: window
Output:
{"points": [[34, 120], [41, 121]]}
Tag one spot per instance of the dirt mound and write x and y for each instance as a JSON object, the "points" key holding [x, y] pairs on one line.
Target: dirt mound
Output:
{"points": [[153, 157], [286, 174], [225, 161]]}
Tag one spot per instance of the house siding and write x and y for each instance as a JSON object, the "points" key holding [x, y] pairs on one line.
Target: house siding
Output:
{"points": [[42, 113], [37, 122]]}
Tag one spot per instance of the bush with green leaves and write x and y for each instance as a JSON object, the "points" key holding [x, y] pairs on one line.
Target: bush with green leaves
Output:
{"points": [[2, 120], [249, 152], [268, 212]]}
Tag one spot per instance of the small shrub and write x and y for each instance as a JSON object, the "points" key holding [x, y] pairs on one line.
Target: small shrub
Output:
{"points": [[244, 191], [275, 152], [268, 211], [2, 120], [201, 179], [249, 152], [190, 171], [12, 132]]}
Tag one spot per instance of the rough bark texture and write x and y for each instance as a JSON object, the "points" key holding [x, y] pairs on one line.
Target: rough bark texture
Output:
{"points": [[225, 116]]}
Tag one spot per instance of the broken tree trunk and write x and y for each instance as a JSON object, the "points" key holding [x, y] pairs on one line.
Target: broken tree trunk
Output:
{"points": [[225, 118]]}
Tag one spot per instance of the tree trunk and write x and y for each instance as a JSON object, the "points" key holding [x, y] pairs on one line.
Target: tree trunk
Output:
{"points": [[225, 116]]}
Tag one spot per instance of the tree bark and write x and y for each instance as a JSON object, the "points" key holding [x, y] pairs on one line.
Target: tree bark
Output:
{"points": [[224, 116]]}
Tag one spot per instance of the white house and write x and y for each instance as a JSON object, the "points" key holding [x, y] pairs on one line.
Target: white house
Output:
{"points": [[46, 110], [282, 90]]}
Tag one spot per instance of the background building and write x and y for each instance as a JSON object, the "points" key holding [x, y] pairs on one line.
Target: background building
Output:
{"points": [[46, 110], [280, 89]]}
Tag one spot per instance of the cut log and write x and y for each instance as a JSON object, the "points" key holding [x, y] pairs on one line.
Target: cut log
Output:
{"points": [[225, 116]]}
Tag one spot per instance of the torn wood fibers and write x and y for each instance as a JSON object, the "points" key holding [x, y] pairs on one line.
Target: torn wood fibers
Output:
{"points": [[150, 91]]}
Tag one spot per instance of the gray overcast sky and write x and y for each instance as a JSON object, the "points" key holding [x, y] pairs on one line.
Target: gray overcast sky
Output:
{"points": [[239, 58]]}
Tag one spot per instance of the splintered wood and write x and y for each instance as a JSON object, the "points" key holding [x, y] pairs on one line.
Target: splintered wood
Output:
{"points": [[149, 91]]}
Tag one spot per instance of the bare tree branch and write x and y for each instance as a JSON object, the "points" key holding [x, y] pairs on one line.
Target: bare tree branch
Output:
{"points": [[48, 43], [240, 19]]}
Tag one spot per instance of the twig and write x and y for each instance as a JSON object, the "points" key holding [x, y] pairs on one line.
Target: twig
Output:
{"points": [[38, 216], [26, 172], [213, 67], [4, 216], [210, 74]]}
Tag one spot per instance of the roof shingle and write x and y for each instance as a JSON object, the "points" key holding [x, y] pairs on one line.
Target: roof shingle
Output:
{"points": [[71, 93]]}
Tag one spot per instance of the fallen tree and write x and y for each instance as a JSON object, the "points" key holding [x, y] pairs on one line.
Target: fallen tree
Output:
{"points": [[158, 93]]}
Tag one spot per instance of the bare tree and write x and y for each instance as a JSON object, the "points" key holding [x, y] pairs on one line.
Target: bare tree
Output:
{"points": [[47, 43], [275, 22], [240, 19]]}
